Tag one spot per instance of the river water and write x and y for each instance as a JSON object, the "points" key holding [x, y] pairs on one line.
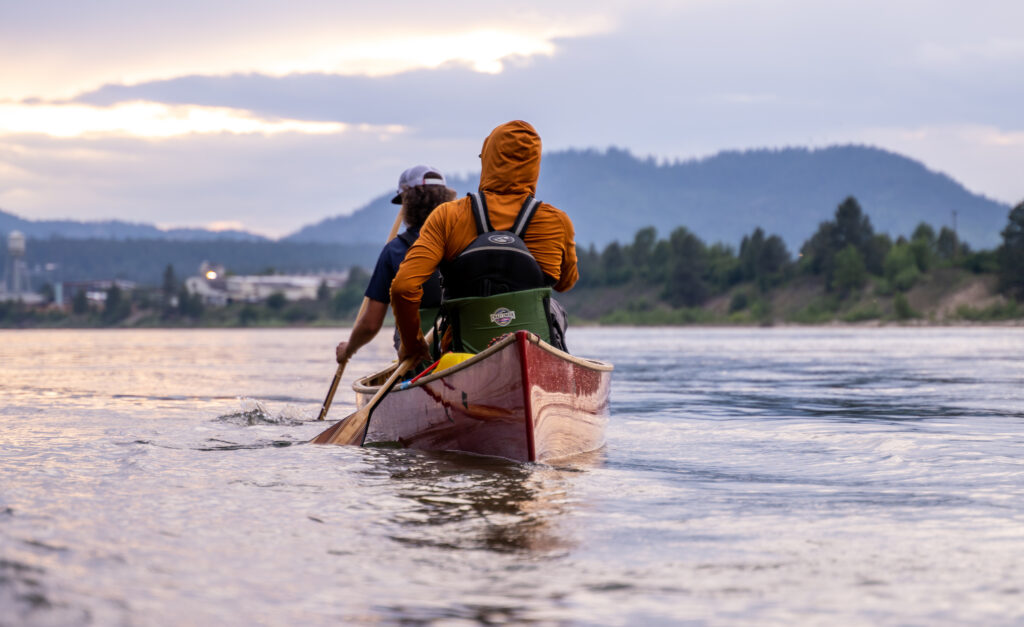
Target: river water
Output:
{"points": [[751, 476]]}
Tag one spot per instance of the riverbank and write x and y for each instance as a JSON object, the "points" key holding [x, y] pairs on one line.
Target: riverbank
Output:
{"points": [[944, 297], [947, 296]]}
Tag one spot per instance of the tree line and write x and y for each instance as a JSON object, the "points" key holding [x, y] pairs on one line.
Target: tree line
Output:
{"points": [[844, 251]]}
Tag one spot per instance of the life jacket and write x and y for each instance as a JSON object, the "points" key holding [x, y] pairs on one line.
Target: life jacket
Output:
{"points": [[495, 286], [495, 262]]}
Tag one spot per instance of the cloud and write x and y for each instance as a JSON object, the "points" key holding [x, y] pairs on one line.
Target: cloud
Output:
{"points": [[130, 42], [670, 79], [273, 184]]}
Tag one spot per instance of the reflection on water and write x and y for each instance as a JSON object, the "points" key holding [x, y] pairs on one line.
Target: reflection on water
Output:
{"points": [[750, 477], [464, 502]]}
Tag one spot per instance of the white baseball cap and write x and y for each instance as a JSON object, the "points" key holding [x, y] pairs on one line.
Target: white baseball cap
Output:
{"points": [[417, 175]]}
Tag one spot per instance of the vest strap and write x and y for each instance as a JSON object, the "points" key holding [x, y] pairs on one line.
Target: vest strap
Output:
{"points": [[478, 203], [526, 213]]}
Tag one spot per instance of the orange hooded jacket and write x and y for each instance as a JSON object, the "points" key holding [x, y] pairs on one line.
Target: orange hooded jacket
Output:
{"points": [[510, 165]]}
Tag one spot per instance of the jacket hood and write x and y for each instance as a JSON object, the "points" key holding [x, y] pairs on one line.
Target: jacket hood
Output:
{"points": [[510, 159]]}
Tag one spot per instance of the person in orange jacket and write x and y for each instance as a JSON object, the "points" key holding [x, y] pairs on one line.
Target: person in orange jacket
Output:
{"points": [[510, 166]]}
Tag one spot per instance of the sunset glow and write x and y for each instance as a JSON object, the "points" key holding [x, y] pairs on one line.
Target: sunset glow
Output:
{"points": [[483, 49], [147, 119]]}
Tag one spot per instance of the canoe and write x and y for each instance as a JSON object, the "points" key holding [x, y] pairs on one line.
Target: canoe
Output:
{"points": [[521, 399]]}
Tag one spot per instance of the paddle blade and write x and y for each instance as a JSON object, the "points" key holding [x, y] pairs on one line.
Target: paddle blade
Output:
{"points": [[346, 431], [351, 429]]}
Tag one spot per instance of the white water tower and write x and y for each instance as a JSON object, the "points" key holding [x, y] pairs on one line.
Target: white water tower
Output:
{"points": [[16, 270]]}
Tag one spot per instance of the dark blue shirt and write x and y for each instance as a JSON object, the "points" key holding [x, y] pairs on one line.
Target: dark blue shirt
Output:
{"points": [[391, 257]]}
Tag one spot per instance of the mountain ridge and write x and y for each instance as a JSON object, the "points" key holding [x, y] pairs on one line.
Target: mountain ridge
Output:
{"points": [[610, 194], [115, 230], [786, 191]]}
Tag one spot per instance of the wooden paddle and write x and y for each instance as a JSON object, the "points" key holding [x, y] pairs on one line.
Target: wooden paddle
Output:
{"points": [[351, 430], [362, 308]]}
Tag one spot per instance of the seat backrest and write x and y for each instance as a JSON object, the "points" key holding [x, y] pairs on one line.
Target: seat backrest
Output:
{"points": [[476, 321]]}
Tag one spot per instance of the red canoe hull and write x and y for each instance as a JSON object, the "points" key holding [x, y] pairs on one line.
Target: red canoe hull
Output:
{"points": [[520, 399]]}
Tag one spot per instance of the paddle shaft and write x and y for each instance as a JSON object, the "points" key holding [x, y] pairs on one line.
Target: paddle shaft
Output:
{"points": [[337, 373], [352, 428], [362, 308]]}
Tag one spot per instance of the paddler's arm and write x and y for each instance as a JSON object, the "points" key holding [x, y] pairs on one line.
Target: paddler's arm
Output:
{"points": [[407, 289], [366, 327]]}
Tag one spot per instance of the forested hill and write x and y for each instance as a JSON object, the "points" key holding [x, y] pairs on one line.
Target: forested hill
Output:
{"points": [[114, 230], [612, 194]]}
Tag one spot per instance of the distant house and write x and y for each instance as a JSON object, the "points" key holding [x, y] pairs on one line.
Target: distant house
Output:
{"points": [[215, 287], [95, 291]]}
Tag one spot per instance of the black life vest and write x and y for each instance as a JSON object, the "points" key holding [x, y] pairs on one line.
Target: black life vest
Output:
{"points": [[496, 262], [432, 288]]}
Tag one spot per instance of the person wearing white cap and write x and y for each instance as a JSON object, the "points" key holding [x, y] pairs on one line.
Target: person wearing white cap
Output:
{"points": [[421, 188]]}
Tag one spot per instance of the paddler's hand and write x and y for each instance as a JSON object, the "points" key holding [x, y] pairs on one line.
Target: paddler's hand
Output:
{"points": [[341, 352], [420, 352]]}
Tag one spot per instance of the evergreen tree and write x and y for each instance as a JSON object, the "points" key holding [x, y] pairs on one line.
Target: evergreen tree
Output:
{"points": [[642, 251], [1011, 254], [750, 254], [922, 243], [116, 307], [168, 289], [774, 258], [687, 267], [80, 303], [874, 254], [660, 261], [189, 305], [588, 261], [170, 283], [853, 227], [613, 265], [947, 244], [849, 228], [723, 267], [763, 259]]}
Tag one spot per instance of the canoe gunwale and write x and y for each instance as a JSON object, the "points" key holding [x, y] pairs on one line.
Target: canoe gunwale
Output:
{"points": [[362, 385]]}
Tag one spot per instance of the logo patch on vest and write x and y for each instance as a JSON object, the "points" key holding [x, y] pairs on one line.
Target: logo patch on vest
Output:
{"points": [[501, 239], [503, 316]]}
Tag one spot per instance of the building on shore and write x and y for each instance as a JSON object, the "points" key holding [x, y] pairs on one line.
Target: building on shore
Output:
{"points": [[218, 288], [95, 291]]}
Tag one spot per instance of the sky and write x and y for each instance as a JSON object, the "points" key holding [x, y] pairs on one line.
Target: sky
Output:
{"points": [[269, 116]]}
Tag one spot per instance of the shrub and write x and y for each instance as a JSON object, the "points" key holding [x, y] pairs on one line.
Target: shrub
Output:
{"points": [[248, 315], [850, 273], [862, 313], [818, 311], [739, 302], [901, 308], [277, 301], [996, 311], [900, 267]]}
